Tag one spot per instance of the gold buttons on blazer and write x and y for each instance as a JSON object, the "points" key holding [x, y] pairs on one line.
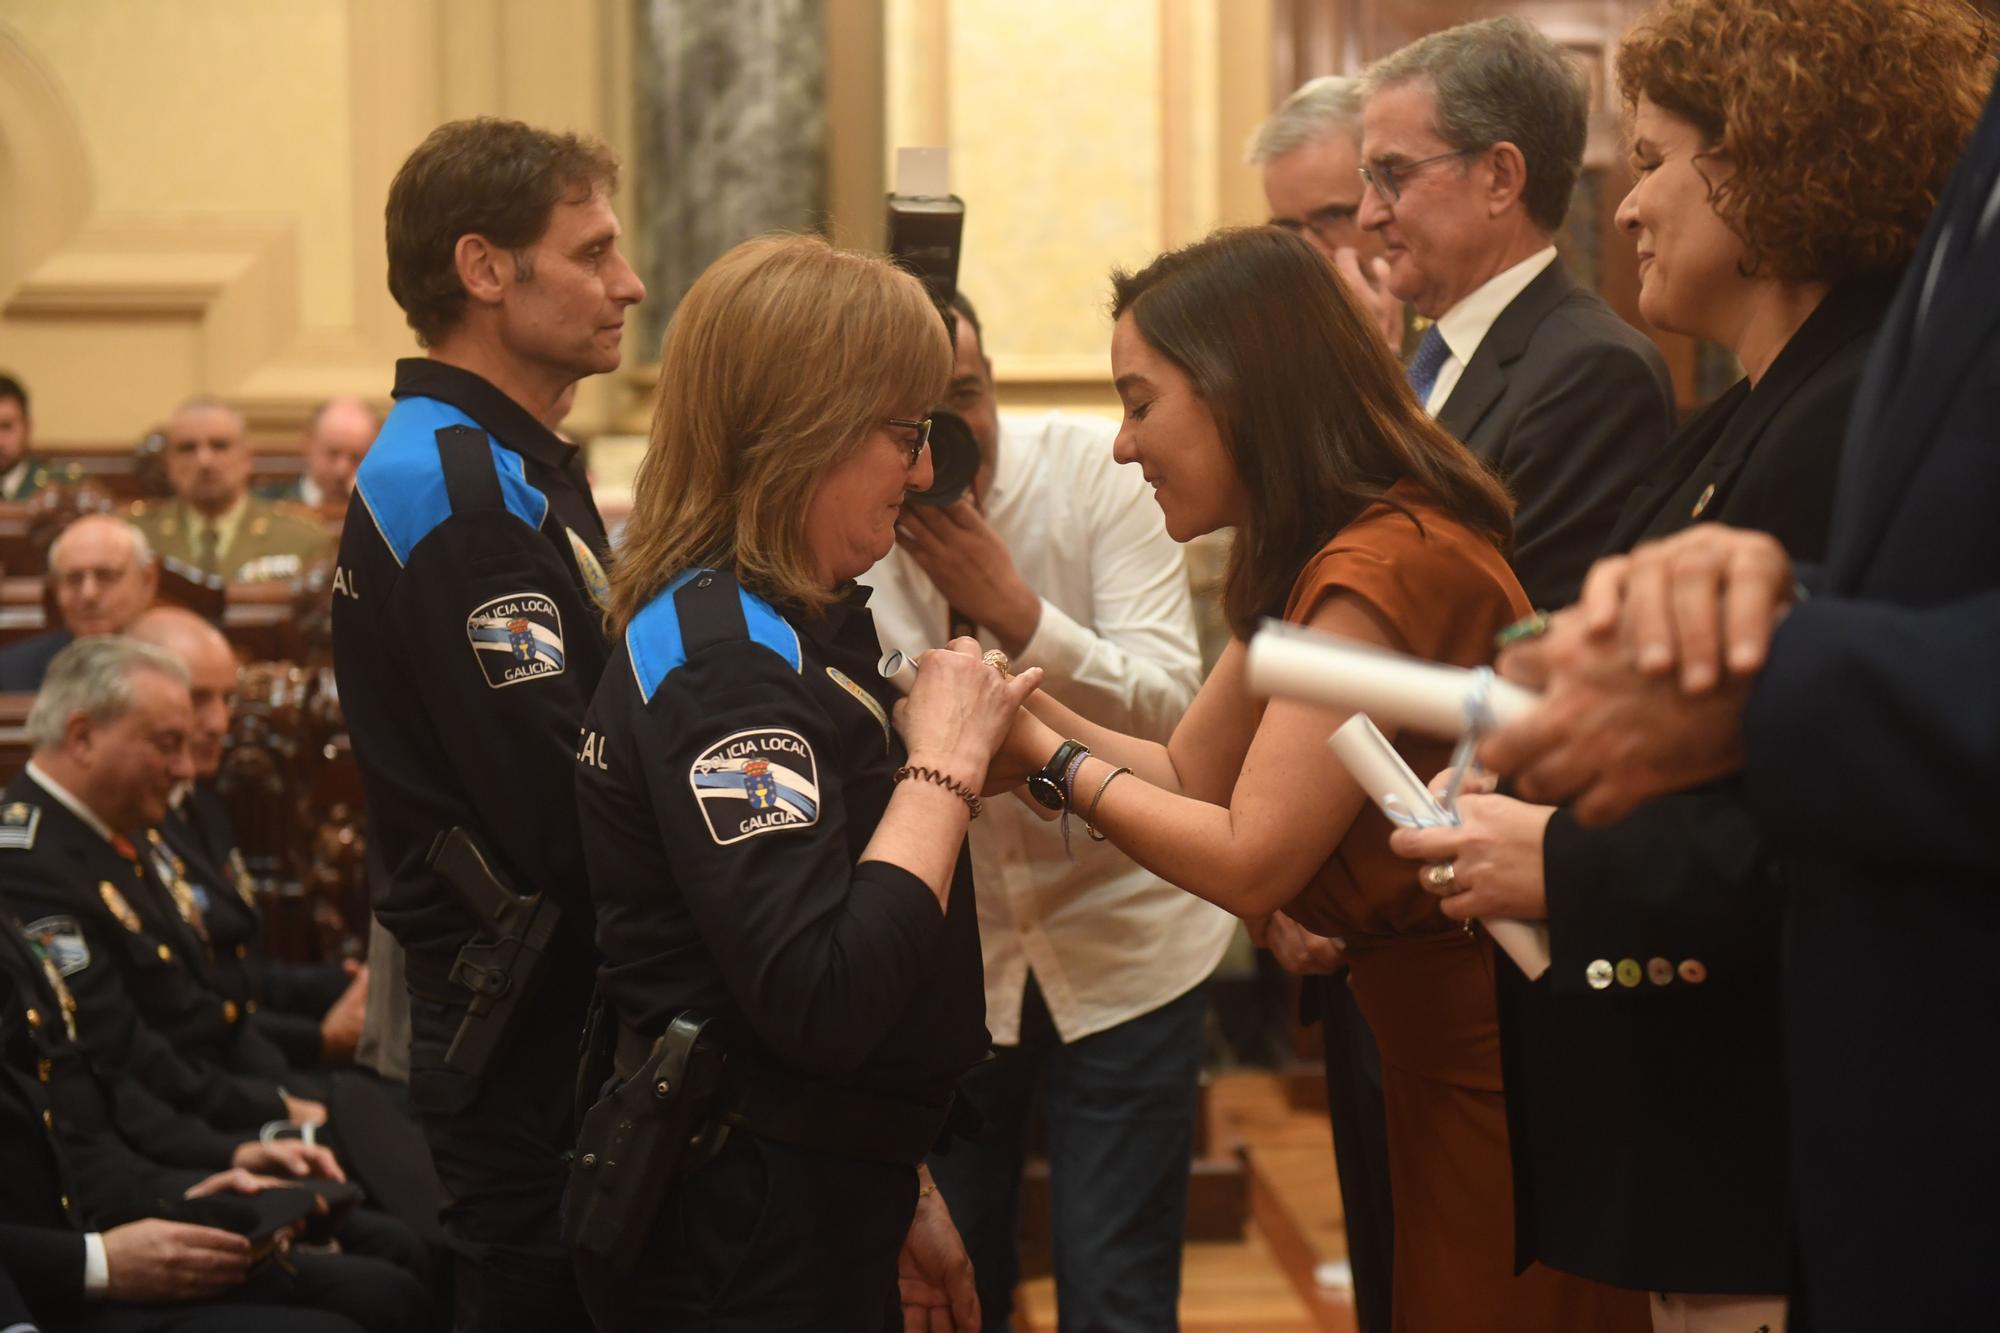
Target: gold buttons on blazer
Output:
{"points": [[1629, 972], [242, 951], [229, 1011], [48, 1119], [43, 1069], [34, 1017], [1693, 971], [1598, 974], [166, 954], [1701, 503], [1659, 971]]}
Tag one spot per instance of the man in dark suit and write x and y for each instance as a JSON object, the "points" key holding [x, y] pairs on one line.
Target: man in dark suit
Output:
{"points": [[311, 1011], [1862, 721], [1471, 142], [104, 575]]}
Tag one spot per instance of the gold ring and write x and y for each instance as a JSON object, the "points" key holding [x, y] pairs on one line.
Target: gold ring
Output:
{"points": [[996, 659], [1526, 628], [1440, 875]]}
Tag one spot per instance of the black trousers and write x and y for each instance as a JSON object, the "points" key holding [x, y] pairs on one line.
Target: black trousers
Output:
{"points": [[1360, 1147], [766, 1238], [499, 1146], [326, 1294]]}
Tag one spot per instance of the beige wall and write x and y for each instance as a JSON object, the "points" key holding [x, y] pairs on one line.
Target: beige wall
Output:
{"points": [[191, 190], [215, 221]]}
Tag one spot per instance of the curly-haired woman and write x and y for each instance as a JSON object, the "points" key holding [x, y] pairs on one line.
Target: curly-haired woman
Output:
{"points": [[1789, 155]]}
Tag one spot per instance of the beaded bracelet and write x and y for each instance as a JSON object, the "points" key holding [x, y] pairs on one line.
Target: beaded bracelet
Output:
{"points": [[949, 783], [1069, 796]]}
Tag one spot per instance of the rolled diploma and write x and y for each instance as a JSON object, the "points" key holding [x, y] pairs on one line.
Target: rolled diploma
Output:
{"points": [[1403, 691], [1389, 782], [900, 670]]}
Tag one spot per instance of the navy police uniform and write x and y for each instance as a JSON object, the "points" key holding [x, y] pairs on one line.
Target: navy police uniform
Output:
{"points": [[135, 967], [735, 763], [286, 1000], [83, 1151], [467, 641]]}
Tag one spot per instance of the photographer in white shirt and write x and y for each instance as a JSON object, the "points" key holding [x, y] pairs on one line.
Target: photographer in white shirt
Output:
{"points": [[1095, 969]]}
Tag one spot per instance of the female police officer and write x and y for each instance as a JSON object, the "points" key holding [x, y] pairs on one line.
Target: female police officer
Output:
{"points": [[766, 847]]}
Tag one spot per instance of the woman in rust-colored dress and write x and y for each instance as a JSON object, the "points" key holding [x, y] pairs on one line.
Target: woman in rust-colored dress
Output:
{"points": [[1258, 398]]}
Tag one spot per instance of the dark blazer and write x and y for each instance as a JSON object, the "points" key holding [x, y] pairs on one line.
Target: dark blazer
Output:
{"points": [[1573, 407], [1872, 761], [23, 664], [1647, 1120], [145, 1008]]}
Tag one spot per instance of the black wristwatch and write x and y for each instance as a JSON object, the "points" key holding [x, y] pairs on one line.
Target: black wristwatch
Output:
{"points": [[1047, 786]]}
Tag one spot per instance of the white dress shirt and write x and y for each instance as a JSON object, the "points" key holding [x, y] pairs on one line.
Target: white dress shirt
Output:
{"points": [[1465, 325], [1107, 941]]}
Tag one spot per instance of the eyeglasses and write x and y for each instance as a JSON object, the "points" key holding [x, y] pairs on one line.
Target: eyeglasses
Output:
{"points": [[1320, 221], [1388, 177], [914, 449]]}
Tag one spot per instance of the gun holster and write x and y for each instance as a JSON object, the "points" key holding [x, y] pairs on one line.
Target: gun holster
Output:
{"points": [[500, 963], [651, 1129]]}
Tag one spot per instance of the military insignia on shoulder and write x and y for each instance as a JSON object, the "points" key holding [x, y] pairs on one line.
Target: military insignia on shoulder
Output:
{"points": [[517, 637], [115, 902], [756, 781], [594, 580], [60, 942], [864, 698], [19, 823]]}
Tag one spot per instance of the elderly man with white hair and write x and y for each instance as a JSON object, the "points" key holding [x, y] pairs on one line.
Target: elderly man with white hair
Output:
{"points": [[104, 576]]}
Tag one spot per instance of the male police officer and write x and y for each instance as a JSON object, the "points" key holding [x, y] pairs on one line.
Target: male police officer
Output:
{"points": [[467, 642]]}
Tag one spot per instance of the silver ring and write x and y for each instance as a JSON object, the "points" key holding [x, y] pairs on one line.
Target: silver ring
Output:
{"points": [[1439, 876]]}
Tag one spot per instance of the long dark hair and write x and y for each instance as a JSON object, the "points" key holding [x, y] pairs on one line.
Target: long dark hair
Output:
{"points": [[1315, 414]]}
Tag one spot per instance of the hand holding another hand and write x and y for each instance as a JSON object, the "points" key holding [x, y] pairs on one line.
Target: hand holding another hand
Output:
{"points": [[960, 710]]}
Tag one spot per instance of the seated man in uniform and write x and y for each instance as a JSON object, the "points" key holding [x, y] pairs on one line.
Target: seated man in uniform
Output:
{"points": [[213, 524], [312, 1011], [21, 473], [109, 732], [110, 1201], [336, 439], [104, 575]]}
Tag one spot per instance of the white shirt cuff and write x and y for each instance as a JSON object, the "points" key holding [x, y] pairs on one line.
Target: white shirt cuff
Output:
{"points": [[1059, 645], [96, 1265]]}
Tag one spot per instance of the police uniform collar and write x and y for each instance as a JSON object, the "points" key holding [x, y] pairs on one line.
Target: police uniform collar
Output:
{"points": [[71, 802], [513, 425]]}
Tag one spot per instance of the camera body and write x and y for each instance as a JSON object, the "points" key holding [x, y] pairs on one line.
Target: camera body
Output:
{"points": [[925, 231]]}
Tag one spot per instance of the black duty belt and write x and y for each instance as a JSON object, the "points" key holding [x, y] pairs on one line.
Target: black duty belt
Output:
{"points": [[805, 1113]]}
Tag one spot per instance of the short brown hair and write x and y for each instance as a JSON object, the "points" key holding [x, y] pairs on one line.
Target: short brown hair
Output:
{"points": [[1316, 416], [1840, 119], [779, 362], [499, 179]]}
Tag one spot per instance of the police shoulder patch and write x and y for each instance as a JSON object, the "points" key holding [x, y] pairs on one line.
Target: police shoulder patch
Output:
{"points": [[60, 940], [756, 781], [19, 822], [516, 637]]}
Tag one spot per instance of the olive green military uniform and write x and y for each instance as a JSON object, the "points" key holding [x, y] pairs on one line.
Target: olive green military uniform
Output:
{"points": [[271, 541]]}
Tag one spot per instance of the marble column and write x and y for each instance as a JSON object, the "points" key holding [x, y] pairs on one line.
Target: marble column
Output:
{"points": [[731, 133]]}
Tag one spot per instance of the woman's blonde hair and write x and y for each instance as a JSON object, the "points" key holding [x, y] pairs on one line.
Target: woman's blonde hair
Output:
{"points": [[779, 362]]}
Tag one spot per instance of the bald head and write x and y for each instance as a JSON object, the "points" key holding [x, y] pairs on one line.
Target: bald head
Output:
{"points": [[208, 456], [211, 666], [103, 573], [337, 438]]}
